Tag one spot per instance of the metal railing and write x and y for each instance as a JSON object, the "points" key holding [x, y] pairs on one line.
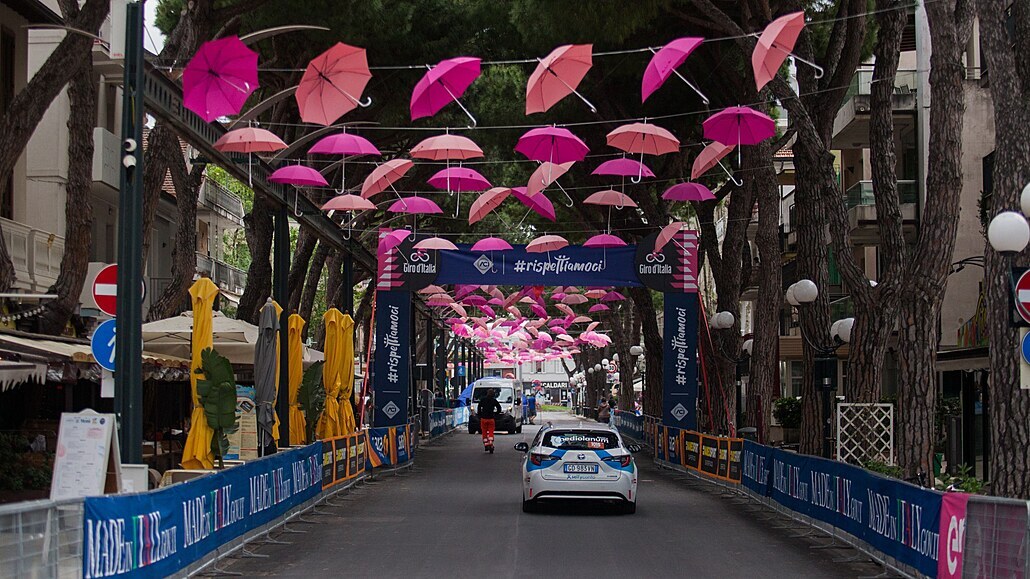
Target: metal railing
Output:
{"points": [[224, 275], [36, 254], [905, 81], [997, 538], [861, 193], [222, 201], [41, 539]]}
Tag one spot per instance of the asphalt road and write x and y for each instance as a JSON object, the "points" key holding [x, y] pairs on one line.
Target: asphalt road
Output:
{"points": [[458, 514]]}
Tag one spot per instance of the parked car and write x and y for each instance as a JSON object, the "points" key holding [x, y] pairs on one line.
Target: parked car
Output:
{"points": [[510, 420], [579, 463]]}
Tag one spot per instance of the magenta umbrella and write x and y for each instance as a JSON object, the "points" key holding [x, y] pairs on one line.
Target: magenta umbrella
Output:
{"points": [[667, 234], [391, 240], [491, 244], [538, 203], [688, 192], [459, 179], [613, 297], [444, 83], [298, 175], [414, 206], [554, 144], [344, 144], [604, 240], [546, 243], [739, 126], [598, 308], [623, 168], [219, 78], [384, 176], [664, 64]]}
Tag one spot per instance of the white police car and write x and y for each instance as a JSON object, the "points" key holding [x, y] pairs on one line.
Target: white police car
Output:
{"points": [[579, 463]]}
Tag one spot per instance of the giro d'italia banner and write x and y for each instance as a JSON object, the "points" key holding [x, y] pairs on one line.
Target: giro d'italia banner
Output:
{"points": [[158, 533], [572, 265], [679, 362], [391, 375], [898, 519]]}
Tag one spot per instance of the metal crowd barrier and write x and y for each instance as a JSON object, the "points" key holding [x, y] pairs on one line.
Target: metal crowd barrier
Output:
{"points": [[996, 540], [41, 539]]}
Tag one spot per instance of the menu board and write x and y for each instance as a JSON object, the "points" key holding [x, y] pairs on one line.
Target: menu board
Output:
{"points": [[88, 460], [243, 443]]}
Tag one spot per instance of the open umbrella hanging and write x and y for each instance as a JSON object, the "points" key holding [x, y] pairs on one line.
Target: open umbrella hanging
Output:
{"points": [[688, 192], [664, 64], [219, 78], [332, 84], [711, 156], [739, 126], [538, 203], [557, 75], [546, 174], [546, 243], [774, 46], [265, 375], [384, 176], [493, 244], [298, 176], [344, 144], [249, 140], [349, 203], [643, 138], [444, 83], [446, 148], [487, 202]]}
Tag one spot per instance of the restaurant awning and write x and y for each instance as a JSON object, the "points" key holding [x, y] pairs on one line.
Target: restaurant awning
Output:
{"points": [[14, 373]]}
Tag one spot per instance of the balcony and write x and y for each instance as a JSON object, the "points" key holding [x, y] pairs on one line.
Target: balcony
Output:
{"points": [[36, 255], [862, 210], [851, 126], [225, 276], [220, 201]]}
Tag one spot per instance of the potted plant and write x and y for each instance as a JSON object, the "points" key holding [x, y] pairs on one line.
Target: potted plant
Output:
{"points": [[311, 397], [217, 393], [787, 412]]}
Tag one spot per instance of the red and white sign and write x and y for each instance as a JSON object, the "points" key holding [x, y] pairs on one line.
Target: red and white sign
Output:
{"points": [[1023, 296], [952, 535], [105, 290]]}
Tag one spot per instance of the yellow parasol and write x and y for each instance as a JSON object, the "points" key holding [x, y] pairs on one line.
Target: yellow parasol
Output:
{"points": [[347, 374], [329, 423], [298, 426], [275, 426], [197, 452]]}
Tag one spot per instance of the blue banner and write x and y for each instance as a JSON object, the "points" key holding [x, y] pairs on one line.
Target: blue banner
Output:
{"points": [[157, 533], [894, 517], [629, 424], [391, 376], [679, 363], [573, 265]]}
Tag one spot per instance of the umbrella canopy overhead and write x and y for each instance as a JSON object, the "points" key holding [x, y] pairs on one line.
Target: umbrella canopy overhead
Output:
{"points": [[664, 64], [643, 138], [459, 179], [391, 240], [348, 203], [610, 197], [739, 126], [623, 168], [344, 144], [491, 244], [539, 203], [546, 243], [666, 235], [554, 144], [414, 205], [442, 85], [708, 158], [219, 78], [557, 75], [775, 45], [436, 243], [384, 176], [688, 192], [446, 147], [249, 140], [332, 84], [298, 175], [603, 240], [546, 174], [487, 202]]}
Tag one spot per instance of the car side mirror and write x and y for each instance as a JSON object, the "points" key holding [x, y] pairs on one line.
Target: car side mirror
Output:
{"points": [[522, 447], [634, 448]]}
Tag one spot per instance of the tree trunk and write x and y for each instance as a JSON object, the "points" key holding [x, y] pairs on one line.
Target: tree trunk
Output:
{"points": [[31, 103], [258, 228], [653, 350], [78, 210], [307, 302], [766, 352], [334, 281], [621, 322], [1009, 406], [306, 239]]}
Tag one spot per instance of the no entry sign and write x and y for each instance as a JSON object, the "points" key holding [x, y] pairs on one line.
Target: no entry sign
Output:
{"points": [[1023, 296], [105, 290]]}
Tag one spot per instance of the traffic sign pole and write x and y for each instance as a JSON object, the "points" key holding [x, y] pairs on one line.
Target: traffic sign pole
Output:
{"points": [[1022, 296], [128, 386]]}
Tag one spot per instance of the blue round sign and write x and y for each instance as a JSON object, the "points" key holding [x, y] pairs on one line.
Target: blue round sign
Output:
{"points": [[1024, 347], [102, 344]]}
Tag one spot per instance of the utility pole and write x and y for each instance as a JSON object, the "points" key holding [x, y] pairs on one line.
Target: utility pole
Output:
{"points": [[128, 378]]}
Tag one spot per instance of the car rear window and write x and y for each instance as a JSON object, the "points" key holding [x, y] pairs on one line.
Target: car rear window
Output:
{"points": [[580, 440]]}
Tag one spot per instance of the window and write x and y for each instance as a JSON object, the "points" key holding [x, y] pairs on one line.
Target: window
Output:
{"points": [[797, 376], [572, 440], [539, 367]]}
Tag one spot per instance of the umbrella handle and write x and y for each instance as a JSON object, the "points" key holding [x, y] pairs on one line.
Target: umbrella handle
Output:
{"points": [[819, 72], [593, 109], [348, 236], [455, 99], [296, 202], [567, 196], [704, 98], [736, 181]]}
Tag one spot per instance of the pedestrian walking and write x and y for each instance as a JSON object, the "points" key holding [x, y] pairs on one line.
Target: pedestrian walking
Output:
{"points": [[488, 411]]}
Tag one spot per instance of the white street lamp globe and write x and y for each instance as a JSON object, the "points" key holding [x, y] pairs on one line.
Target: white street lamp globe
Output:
{"points": [[605, 363], [1009, 232], [1024, 200], [590, 370], [636, 350], [597, 367], [835, 329], [724, 320], [789, 295], [844, 329], [748, 345], [805, 291], [615, 356]]}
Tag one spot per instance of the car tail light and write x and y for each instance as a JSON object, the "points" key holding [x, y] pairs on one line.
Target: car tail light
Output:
{"points": [[536, 459], [622, 460]]}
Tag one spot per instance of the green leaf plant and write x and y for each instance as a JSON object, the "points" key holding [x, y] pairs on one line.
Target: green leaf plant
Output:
{"points": [[217, 394]]}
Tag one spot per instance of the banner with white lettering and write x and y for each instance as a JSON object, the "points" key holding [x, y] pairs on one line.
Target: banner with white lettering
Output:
{"points": [[391, 377], [158, 533], [897, 518], [679, 363]]}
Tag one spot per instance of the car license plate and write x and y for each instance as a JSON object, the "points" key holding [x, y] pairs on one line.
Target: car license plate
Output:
{"points": [[581, 468]]}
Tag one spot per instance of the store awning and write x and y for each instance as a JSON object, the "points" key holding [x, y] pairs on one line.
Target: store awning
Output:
{"points": [[14, 373]]}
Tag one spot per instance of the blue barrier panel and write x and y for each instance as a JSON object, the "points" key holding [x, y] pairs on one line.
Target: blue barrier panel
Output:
{"points": [[461, 416], [439, 422], [898, 519], [157, 533]]}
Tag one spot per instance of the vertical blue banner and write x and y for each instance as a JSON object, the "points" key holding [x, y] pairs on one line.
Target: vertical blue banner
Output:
{"points": [[679, 368], [391, 378]]}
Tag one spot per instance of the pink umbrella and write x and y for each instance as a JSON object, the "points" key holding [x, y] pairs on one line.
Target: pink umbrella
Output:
{"points": [[598, 308], [474, 300], [557, 75], [546, 174], [610, 198], [491, 244], [446, 148], [414, 206], [487, 202], [739, 126], [643, 138], [459, 179], [564, 307], [575, 299], [495, 302], [539, 203], [546, 243], [458, 309], [582, 320], [432, 289], [595, 293], [774, 46], [444, 83], [572, 289], [435, 243], [711, 156], [666, 235], [219, 78], [348, 203], [688, 192], [554, 144], [664, 64], [613, 297], [391, 240], [538, 310], [344, 144], [558, 296], [332, 84], [487, 310], [384, 176], [603, 240], [249, 140], [298, 175], [623, 168], [439, 300]]}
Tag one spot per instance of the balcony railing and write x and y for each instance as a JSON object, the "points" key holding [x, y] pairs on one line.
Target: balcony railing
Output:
{"points": [[861, 193], [224, 275], [905, 82], [222, 201], [36, 254]]}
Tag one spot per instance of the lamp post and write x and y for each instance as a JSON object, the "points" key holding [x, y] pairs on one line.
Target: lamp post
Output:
{"points": [[803, 293], [638, 351], [725, 321]]}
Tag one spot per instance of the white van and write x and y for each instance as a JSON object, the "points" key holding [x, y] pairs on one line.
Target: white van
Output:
{"points": [[508, 396]]}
